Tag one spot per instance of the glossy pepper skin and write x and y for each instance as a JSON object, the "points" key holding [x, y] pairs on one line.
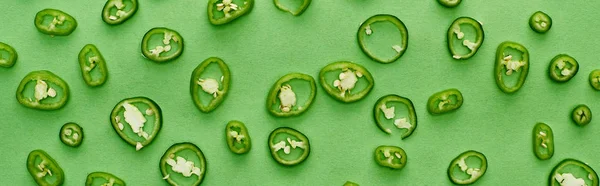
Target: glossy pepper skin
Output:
{"points": [[335, 92], [383, 101], [156, 114], [234, 130], [569, 70], [296, 134], [391, 157], [454, 164], [275, 91], [50, 168], [71, 134], [451, 37], [361, 36], [540, 22], [542, 134], [442, 102], [48, 77], [175, 37], [96, 63], [196, 89], [172, 151], [581, 115], [122, 16], [63, 24], [499, 67]]}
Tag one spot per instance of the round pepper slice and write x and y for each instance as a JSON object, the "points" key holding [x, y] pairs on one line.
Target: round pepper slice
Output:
{"points": [[224, 11], [62, 24], [210, 85], [108, 178], [162, 52], [90, 59], [283, 95], [540, 22], [183, 161], [295, 12], [562, 68], [348, 78], [71, 134], [558, 175], [381, 107], [7, 61], [455, 33], [390, 156], [237, 136], [505, 65], [365, 28], [543, 141], [445, 101], [44, 169], [43, 91], [449, 3], [285, 142], [474, 173], [116, 12], [126, 118], [595, 79], [581, 115]]}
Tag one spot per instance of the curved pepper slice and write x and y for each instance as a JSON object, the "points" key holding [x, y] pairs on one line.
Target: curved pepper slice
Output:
{"points": [[126, 117], [62, 24], [7, 61], [474, 173], [540, 22], [505, 65], [390, 156], [543, 141], [43, 91], [162, 52], [118, 11], [449, 3], [365, 28], [90, 59], [225, 11], [282, 94], [454, 33], [284, 142], [210, 85], [445, 101], [295, 12], [581, 115], [183, 165], [381, 107], [237, 136], [108, 178], [562, 68], [558, 176], [44, 170], [595, 79], [350, 75], [71, 134]]}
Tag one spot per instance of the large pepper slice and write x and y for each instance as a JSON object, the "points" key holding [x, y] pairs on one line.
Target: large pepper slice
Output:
{"points": [[43, 91], [281, 101], [390, 156], [348, 78], [62, 24], [224, 11], [365, 31], [210, 85], [558, 176], [7, 61], [543, 141], [455, 33], [40, 165], [127, 113], [381, 107], [90, 59], [445, 101], [287, 139], [108, 178], [505, 65], [474, 173], [181, 162], [117, 11], [237, 137], [163, 51]]}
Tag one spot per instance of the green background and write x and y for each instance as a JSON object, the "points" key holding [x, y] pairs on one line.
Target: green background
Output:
{"points": [[267, 44]]}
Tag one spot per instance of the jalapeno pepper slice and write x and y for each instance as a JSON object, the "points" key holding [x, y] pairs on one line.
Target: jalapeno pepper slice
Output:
{"points": [[45, 95], [281, 101], [445, 101], [288, 146], [127, 112], [103, 179], [543, 141], [385, 107], [449, 3], [7, 61], [562, 68], [181, 163], [71, 134], [93, 66], [561, 174], [116, 12], [461, 163], [237, 136], [169, 49], [44, 170], [349, 183], [295, 12], [55, 22], [454, 33], [365, 31], [505, 66], [540, 22], [581, 115], [225, 11], [390, 156], [211, 86], [595, 79], [350, 75]]}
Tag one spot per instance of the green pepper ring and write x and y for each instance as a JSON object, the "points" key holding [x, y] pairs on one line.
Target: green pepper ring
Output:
{"points": [[179, 147], [243, 131], [12, 58], [45, 76], [161, 30], [450, 37], [194, 88], [106, 13], [449, 3], [39, 19], [349, 183], [537, 141], [157, 119], [575, 162], [399, 150], [595, 79], [466, 154], [498, 66], [101, 64], [377, 18], [301, 10], [433, 108], [242, 10], [33, 168], [333, 92], [567, 59], [75, 128], [272, 98], [395, 98], [294, 133], [89, 181], [586, 111], [543, 17]]}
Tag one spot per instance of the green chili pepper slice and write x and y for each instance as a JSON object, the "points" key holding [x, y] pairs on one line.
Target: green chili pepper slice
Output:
{"points": [[350, 75], [454, 33], [295, 12], [7, 61], [71, 134], [540, 22], [127, 113], [382, 108], [390, 156], [45, 95], [365, 31], [93, 66], [505, 66], [445, 101], [116, 12], [169, 49], [562, 68], [182, 162], [285, 143], [55, 22], [210, 85], [237, 136], [581, 115], [561, 174], [224, 11], [595, 79], [473, 173], [44, 169], [281, 101], [103, 179], [543, 141], [449, 3], [349, 183]]}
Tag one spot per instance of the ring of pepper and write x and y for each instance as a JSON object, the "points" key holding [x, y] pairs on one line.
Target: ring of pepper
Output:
{"points": [[333, 92], [157, 58], [542, 134], [412, 115], [435, 99], [100, 64], [381, 18], [393, 150], [51, 166], [45, 76], [292, 132], [463, 156], [49, 30], [559, 77], [246, 141], [498, 68], [157, 119], [106, 17], [195, 89], [89, 181], [68, 139], [592, 175], [479, 39], [272, 97], [177, 148], [12, 55]]}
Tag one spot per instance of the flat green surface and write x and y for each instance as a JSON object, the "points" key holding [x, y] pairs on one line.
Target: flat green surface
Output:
{"points": [[267, 44]]}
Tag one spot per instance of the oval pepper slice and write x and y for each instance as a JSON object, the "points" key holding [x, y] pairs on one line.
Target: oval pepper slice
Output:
{"points": [[445, 101], [107, 178], [90, 61], [505, 65], [595, 79], [210, 85], [281, 101], [43, 92], [118, 11], [455, 33], [461, 163], [543, 141], [127, 113], [365, 28], [581, 115], [71, 134], [61, 23], [540, 22], [381, 108], [285, 142], [225, 11], [390, 156], [185, 161], [295, 12], [169, 49], [237, 136], [561, 174], [562, 68], [44, 169], [7, 61], [449, 3], [350, 74]]}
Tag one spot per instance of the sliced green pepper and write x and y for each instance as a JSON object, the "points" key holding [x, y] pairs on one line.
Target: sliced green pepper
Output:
{"points": [[44, 170], [283, 140], [561, 175], [116, 11], [348, 78], [237, 136], [505, 65], [581, 115], [365, 28], [62, 24], [562, 68], [282, 94], [71, 134], [349, 183], [179, 163], [454, 33], [449, 3], [90, 59], [543, 141], [163, 51], [9, 60], [445, 101], [381, 107], [43, 92], [461, 163], [390, 156], [107, 179], [540, 22], [595, 79], [296, 12], [210, 85], [225, 11], [129, 110]]}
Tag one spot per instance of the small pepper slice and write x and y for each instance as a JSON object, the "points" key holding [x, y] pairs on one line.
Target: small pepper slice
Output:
{"points": [[295, 12], [162, 52], [449, 3], [474, 173], [227, 10], [543, 141], [349, 183], [237, 136], [43, 91], [350, 75], [282, 94], [381, 107], [128, 109], [288, 139], [71, 134], [595, 79], [108, 178], [210, 85], [62, 24], [116, 12], [390, 156], [91, 59], [365, 28], [505, 65], [454, 33], [581, 115], [7, 61], [540, 22], [172, 163], [558, 176], [40, 165], [562, 68], [445, 101]]}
